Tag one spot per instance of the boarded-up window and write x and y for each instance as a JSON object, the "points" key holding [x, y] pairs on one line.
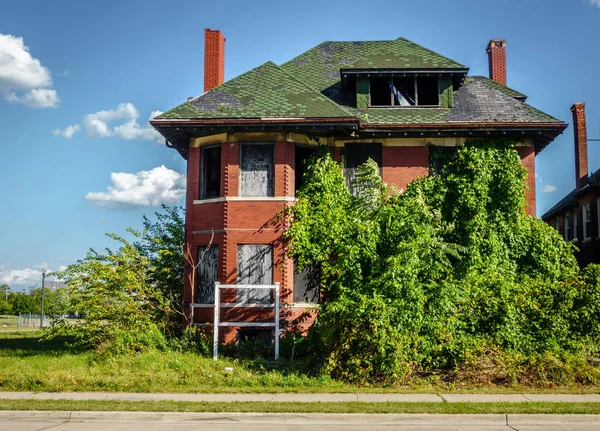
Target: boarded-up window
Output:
{"points": [[254, 266], [208, 272], [306, 284], [210, 180], [358, 153], [256, 170], [303, 154]]}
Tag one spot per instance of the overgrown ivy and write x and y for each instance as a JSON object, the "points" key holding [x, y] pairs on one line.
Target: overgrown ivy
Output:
{"points": [[420, 282]]}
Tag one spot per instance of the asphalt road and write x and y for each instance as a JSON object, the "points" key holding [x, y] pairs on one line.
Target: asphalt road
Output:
{"points": [[138, 421]]}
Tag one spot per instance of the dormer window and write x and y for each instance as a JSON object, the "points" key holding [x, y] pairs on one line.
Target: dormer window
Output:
{"points": [[404, 91]]}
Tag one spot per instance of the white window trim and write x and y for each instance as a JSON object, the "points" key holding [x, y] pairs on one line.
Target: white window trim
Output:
{"points": [[598, 215], [567, 218], [575, 238], [586, 212]]}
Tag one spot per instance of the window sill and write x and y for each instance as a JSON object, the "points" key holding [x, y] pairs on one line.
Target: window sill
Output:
{"points": [[586, 240], [246, 199]]}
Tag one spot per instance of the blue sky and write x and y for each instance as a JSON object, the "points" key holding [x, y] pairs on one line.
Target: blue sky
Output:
{"points": [[104, 68]]}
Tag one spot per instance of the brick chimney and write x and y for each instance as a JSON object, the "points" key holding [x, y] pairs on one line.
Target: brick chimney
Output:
{"points": [[496, 51], [581, 156], [214, 59]]}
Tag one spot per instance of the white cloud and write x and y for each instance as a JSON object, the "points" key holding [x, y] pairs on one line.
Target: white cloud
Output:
{"points": [[26, 277], [68, 131], [594, 2], [23, 79], [101, 124], [545, 186], [145, 188]]}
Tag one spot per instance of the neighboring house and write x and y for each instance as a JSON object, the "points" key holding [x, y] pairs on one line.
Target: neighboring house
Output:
{"points": [[245, 141], [577, 215]]}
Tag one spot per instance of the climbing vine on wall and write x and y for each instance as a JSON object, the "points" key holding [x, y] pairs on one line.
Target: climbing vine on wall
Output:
{"points": [[427, 280]]}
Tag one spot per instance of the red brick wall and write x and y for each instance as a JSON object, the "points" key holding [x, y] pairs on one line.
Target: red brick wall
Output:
{"points": [[230, 168], [240, 222], [527, 154], [401, 165], [284, 168], [214, 59]]}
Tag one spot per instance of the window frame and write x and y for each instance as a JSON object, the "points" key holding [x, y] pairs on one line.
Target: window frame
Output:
{"points": [[199, 268], [557, 224], [586, 216], [416, 92], [202, 191], [575, 227], [567, 226], [598, 217], [270, 193]]}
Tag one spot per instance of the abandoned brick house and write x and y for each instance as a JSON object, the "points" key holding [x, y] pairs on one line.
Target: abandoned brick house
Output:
{"points": [[245, 141], [577, 215]]}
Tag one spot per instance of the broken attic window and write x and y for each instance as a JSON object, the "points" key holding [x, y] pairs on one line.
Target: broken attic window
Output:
{"points": [[355, 155], [256, 170], [210, 183], [208, 272], [427, 91], [254, 266], [404, 91], [303, 154], [380, 92]]}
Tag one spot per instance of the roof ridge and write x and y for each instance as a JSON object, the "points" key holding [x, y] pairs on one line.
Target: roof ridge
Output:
{"points": [[430, 50]]}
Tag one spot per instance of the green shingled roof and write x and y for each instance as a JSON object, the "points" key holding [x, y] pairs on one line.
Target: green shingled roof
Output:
{"points": [[320, 66], [402, 115], [308, 86], [266, 91]]}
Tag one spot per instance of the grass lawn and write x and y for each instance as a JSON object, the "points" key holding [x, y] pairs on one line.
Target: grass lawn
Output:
{"points": [[28, 365], [295, 407]]}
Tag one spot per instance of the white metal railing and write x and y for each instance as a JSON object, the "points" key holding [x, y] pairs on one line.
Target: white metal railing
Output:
{"points": [[218, 305]]}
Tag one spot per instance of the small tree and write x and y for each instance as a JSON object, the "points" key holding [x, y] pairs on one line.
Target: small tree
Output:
{"points": [[120, 307]]}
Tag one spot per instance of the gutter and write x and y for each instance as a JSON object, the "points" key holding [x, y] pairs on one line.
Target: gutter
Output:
{"points": [[253, 121], [469, 125]]}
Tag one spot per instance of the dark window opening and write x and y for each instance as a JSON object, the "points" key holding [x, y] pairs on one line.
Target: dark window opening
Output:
{"points": [[208, 273], [255, 266], [306, 284], [303, 154], [380, 92], [427, 91], [210, 183], [256, 170], [404, 91], [355, 155], [439, 157]]}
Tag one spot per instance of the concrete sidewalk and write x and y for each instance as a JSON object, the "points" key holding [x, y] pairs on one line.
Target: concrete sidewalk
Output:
{"points": [[140, 421], [293, 397]]}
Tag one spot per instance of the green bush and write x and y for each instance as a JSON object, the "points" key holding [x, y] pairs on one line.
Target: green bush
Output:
{"points": [[446, 277]]}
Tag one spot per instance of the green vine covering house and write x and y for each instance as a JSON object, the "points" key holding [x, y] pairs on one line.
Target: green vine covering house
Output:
{"points": [[246, 142]]}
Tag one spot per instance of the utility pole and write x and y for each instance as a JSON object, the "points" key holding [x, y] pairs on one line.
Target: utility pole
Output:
{"points": [[43, 281]]}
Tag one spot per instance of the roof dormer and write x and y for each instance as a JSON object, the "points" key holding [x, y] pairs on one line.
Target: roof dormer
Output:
{"points": [[401, 88]]}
